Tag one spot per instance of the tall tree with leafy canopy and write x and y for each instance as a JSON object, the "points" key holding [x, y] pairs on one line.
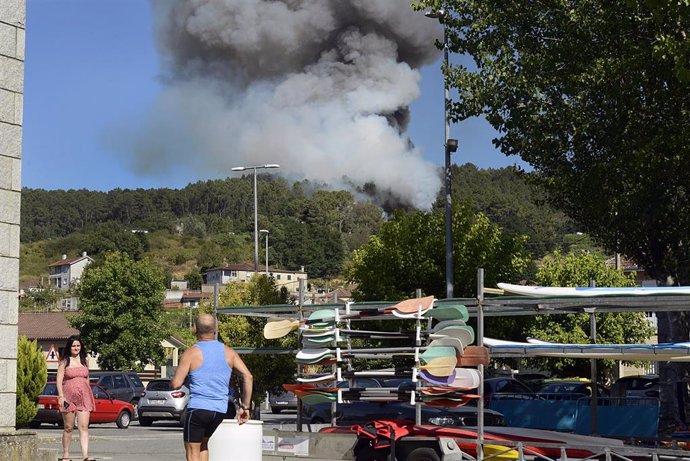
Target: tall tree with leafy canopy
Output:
{"points": [[120, 315], [576, 270], [594, 95], [409, 253], [269, 371]]}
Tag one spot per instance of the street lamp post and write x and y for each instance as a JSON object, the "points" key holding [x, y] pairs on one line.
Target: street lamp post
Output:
{"points": [[265, 231], [451, 145], [256, 216]]}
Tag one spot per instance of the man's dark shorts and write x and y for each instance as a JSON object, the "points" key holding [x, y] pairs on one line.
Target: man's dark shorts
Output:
{"points": [[200, 424]]}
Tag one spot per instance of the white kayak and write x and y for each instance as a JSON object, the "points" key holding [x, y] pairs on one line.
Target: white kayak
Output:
{"points": [[586, 292], [675, 352]]}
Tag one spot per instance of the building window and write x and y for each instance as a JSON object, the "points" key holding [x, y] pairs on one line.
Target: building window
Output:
{"points": [[289, 277], [277, 276]]}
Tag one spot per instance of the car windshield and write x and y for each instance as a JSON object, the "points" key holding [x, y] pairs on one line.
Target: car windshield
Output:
{"points": [[135, 380], [158, 386], [50, 389]]}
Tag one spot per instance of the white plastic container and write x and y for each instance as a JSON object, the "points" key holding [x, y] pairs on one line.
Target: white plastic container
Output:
{"points": [[234, 442]]}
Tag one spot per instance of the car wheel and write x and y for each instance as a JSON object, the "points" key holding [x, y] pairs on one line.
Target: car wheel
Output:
{"points": [[35, 424], [123, 419], [423, 454], [135, 404], [145, 421], [275, 411]]}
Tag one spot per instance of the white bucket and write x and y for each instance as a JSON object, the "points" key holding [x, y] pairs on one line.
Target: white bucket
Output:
{"points": [[235, 442]]}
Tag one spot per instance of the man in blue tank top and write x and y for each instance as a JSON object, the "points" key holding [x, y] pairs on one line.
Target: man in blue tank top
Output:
{"points": [[209, 364]]}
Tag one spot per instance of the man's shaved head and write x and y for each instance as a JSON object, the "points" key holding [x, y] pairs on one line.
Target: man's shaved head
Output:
{"points": [[205, 325]]}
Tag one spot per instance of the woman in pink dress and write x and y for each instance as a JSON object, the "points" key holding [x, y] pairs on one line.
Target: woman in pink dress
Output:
{"points": [[74, 395]]}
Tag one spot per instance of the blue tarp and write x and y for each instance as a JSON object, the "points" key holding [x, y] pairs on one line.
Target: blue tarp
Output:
{"points": [[615, 417]]}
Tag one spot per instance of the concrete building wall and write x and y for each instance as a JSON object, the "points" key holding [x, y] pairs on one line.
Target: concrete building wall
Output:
{"points": [[12, 36]]}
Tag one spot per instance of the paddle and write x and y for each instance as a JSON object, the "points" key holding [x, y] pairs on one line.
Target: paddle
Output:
{"points": [[278, 328], [474, 356], [448, 312], [414, 305], [465, 378], [462, 332], [441, 366], [437, 380]]}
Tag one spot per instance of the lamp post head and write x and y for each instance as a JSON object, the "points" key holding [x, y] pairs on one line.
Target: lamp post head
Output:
{"points": [[238, 168], [452, 145], [263, 231], [271, 165]]}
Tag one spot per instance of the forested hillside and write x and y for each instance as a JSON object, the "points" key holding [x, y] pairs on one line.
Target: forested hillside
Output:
{"points": [[211, 222]]}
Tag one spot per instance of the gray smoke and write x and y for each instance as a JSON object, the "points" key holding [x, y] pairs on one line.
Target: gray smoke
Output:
{"points": [[319, 86]]}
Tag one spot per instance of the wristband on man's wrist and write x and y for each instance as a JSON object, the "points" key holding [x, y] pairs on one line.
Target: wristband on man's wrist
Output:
{"points": [[243, 406]]}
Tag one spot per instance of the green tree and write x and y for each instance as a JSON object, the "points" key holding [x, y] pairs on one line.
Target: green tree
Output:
{"points": [[577, 269], [194, 279], [31, 377], [39, 300], [120, 314], [269, 371], [595, 97], [409, 253], [508, 198]]}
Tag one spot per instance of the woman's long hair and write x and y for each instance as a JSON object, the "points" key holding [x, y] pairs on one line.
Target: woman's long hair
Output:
{"points": [[68, 350]]}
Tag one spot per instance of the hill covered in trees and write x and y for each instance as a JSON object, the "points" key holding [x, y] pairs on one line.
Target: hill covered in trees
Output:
{"points": [[211, 222]]}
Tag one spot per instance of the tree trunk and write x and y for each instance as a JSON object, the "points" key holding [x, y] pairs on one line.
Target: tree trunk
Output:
{"points": [[673, 376]]}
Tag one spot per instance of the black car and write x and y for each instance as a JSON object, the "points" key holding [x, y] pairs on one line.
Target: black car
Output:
{"points": [[570, 390], [507, 388], [122, 385], [636, 386]]}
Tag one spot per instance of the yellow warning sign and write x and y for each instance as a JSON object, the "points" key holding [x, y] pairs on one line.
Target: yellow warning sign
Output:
{"points": [[52, 355]]}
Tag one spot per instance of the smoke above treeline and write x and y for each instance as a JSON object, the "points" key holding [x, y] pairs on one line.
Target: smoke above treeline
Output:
{"points": [[321, 87]]}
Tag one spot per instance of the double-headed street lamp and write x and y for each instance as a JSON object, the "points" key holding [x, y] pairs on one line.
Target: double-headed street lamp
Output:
{"points": [[256, 218], [265, 231], [451, 145]]}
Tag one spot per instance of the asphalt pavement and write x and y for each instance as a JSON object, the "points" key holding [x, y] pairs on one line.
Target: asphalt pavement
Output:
{"points": [[160, 442]]}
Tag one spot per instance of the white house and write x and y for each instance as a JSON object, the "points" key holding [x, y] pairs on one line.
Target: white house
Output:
{"points": [[243, 273], [63, 273]]}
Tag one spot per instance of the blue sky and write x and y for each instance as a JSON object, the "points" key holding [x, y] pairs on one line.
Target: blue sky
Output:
{"points": [[92, 65]]}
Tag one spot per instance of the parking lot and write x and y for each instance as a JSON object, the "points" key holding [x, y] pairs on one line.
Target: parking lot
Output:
{"points": [[160, 442]]}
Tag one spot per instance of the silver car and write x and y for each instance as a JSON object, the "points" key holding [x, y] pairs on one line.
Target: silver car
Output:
{"points": [[159, 402]]}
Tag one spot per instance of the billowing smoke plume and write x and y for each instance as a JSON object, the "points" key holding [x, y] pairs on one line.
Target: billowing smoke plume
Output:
{"points": [[319, 86]]}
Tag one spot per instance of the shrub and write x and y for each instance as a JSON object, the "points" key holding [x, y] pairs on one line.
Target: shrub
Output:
{"points": [[31, 377]]}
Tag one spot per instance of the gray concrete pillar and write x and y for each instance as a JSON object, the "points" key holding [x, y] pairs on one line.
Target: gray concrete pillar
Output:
{"points": [[12, 34]]}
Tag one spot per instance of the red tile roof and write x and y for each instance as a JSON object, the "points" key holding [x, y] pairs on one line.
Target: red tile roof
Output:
{"points": [[45, 325]]}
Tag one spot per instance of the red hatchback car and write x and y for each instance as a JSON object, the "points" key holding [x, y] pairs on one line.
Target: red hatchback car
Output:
{"points": [[108, 410]]}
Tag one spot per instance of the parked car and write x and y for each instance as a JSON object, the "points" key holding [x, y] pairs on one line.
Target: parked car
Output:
{"points": [[533, 380], [122, 385], [637, 386], [160, 402], [570, 389], [108, 409], [282, 401], [506, 388]]}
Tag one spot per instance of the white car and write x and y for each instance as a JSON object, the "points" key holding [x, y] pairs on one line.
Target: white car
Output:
{"points": [[159, 402]]}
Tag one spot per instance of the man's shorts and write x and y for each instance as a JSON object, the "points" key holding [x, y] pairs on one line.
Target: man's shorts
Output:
{"points": [[200, 424]]}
